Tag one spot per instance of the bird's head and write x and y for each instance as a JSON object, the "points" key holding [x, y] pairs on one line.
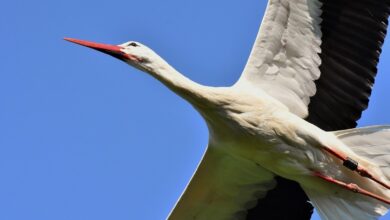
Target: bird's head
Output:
{"points": [[133, 53], [145, 59]]}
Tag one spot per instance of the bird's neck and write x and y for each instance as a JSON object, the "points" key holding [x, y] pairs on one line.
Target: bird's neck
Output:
{"points": [[181, 85]]}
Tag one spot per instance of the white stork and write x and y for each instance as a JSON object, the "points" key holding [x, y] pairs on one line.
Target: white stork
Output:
{"points": [[271, 145]]}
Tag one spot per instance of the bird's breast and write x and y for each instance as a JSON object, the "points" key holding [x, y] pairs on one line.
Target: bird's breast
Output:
{"points": [[269, 137]]}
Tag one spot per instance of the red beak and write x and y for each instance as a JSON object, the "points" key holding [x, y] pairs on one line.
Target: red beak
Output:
{"points": [[112, 50]]}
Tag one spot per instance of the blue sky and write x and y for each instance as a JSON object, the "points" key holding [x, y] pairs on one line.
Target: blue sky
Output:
{"points": [[84, 136]]}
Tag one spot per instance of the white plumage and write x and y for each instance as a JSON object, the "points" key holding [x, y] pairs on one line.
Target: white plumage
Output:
{"points": [[284, 60], [258, 128]]}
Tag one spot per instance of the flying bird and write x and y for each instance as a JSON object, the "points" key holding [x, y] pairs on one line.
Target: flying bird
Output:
{"points": [[284, 133]]}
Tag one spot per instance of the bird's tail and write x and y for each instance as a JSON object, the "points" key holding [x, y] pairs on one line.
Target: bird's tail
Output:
{"points": [[372, 144]]}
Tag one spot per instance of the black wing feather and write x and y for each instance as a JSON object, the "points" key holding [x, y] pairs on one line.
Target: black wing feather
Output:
{"points": [[353, 34]]}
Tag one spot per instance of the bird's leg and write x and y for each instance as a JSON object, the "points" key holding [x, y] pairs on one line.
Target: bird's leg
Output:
{"points": [[352, 187], [354, 166]]}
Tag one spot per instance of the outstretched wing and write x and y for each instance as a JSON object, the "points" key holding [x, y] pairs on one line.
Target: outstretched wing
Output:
{"points": [[223, 187], [319, 57]]}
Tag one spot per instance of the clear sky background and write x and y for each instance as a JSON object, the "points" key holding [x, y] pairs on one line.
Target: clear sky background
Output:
{"points": [[85, 137]]}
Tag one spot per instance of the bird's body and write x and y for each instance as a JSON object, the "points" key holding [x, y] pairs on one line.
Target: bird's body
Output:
{"points": [[261, 127], [258, 129]]}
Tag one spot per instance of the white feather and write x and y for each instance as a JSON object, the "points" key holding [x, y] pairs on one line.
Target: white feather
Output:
{"points": [[284, 60]]}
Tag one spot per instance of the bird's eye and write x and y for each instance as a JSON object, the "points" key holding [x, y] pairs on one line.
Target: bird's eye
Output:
{"points": [[133, 44]]}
